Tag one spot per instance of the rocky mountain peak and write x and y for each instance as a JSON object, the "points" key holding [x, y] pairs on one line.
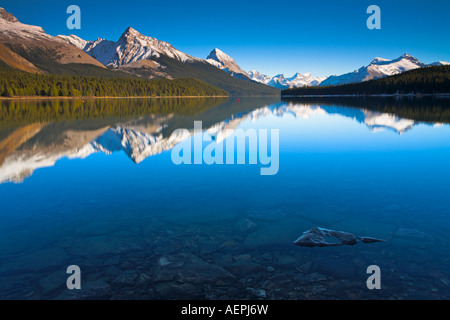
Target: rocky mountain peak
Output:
{"points": [[7, 16], [219, 56], [131, 31]]}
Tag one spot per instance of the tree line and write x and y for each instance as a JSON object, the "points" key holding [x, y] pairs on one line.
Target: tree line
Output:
{"points": [[17, 83]]}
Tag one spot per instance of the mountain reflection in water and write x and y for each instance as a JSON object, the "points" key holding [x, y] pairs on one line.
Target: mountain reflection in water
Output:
{"points": [[140, 136]]}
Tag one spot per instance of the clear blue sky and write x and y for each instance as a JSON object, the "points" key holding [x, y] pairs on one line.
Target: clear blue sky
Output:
{"points": [[322, 37]]}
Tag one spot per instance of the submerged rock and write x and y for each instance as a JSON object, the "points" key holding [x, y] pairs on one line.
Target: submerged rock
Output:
{"points": [[319, 237]]}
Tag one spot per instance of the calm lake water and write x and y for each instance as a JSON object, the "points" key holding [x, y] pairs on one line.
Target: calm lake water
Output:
{"points": [[93, 184]]}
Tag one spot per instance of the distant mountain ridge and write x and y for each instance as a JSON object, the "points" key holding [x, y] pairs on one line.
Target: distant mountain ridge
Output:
{"points": [[429, 80], [259, 77], [223, 61], [280, 81], [379, 68]]}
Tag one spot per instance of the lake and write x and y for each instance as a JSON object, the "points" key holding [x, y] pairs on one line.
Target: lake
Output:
{"points": [[93, 184]]}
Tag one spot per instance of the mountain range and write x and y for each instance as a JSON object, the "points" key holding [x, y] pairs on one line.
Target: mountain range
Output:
{"points": [[380, 68], [30, 49], [134, 50], [281, 82]]}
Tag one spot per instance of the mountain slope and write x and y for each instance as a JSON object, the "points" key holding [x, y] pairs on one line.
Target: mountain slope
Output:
{"points": [[377, 69], [37, 48], [223, 61], [278, 81], [14, 60], [214, 76]]}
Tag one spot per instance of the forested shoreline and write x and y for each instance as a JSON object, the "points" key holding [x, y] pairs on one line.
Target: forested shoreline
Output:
{"points": [[20, 84]]}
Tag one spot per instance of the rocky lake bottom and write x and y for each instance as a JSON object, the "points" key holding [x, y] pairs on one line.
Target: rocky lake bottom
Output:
{"points": [[251, 257]]}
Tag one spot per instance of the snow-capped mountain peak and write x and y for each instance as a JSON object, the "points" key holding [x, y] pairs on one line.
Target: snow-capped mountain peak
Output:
{"points": [[378, 68], [132, 46], [280, 77], [408, 56], [280, 81], [378, 60], [221, 60], [259, 77], [219, 56], [131, 31]]}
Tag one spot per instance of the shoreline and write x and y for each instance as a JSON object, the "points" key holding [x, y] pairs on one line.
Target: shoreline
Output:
{"points": [[367, 95], [94, 98]]}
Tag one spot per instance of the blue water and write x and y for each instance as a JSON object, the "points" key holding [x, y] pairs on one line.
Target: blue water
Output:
{"points": [[155, 230]]}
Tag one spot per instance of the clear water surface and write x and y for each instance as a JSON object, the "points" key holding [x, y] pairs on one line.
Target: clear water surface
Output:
{"points": [[103, 193]]}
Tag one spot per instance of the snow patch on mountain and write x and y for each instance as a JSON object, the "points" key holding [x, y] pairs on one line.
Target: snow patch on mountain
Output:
{"points": [[73, 40]]}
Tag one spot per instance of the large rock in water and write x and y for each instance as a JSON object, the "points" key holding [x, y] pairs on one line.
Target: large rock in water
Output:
{"points": [[319, 237]]}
